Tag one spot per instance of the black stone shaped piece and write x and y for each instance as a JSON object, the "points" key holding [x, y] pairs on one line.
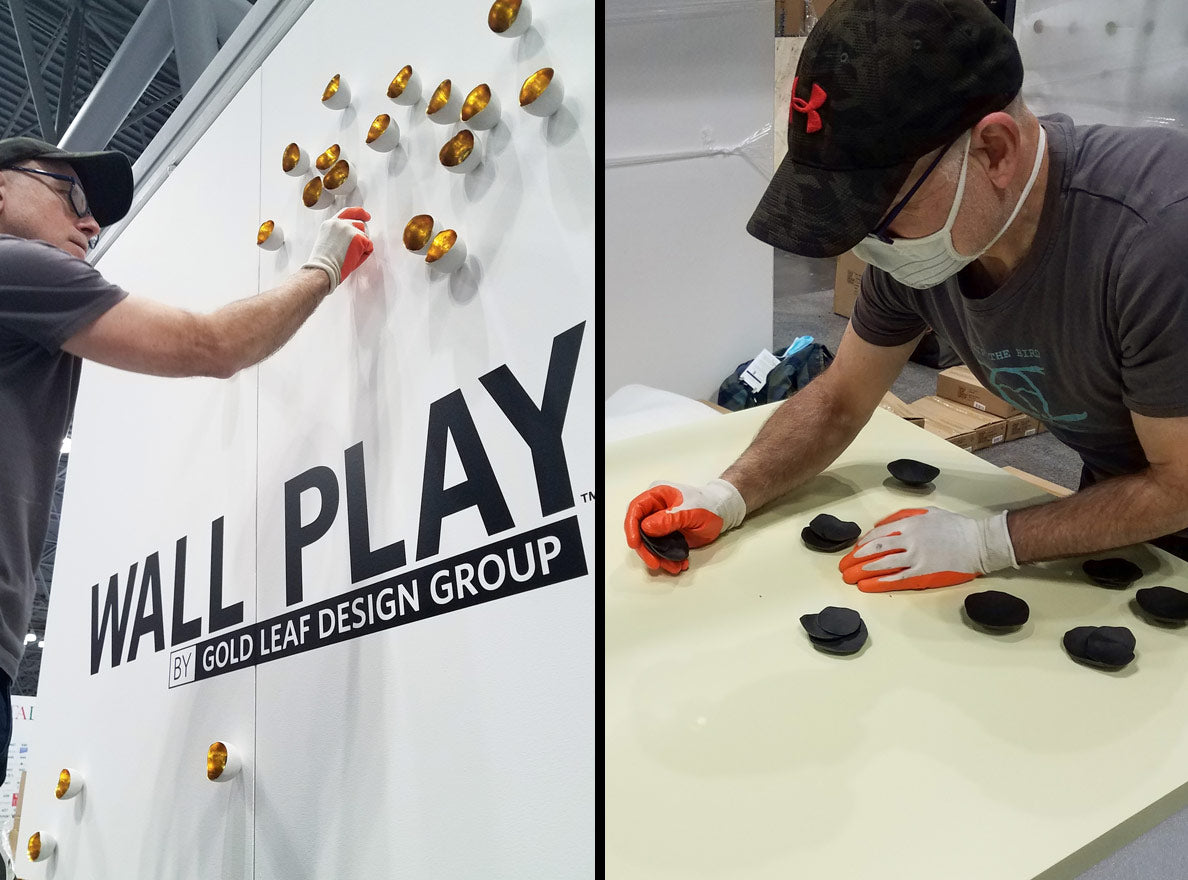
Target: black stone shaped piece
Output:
{"points": [[996, 610], [815, 542], [1164, 603], [809, 622], [912, 472], [672, 546], [839, 622], [835, 530], [846, 645], [1111, 645], [1105, 647], [1115, 572]]}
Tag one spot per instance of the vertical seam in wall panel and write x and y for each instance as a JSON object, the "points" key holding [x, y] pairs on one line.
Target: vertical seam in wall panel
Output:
{"points": [[256, 523]]}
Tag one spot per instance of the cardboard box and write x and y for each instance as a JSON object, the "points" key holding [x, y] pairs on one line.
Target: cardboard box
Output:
{"points": [[1023, 425], [961, 386], [954, 421], [819, 6], [948, 431], [893, 404], [789, 18], [846, 283]]}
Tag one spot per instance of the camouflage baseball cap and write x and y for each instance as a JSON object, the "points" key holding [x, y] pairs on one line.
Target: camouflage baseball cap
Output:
{"points": [[880, 83], [106, 175]]}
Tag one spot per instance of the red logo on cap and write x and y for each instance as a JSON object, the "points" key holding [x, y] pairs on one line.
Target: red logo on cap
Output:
{"points": [[809, 107]]}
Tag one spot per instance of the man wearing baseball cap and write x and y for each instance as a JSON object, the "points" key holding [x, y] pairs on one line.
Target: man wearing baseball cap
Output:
{"points": [[56, 310], [1052, 257]]}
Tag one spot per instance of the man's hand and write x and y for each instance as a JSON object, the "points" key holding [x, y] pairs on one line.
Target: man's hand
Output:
{"points": [[918, 549], [700, 513], [341, 246]]}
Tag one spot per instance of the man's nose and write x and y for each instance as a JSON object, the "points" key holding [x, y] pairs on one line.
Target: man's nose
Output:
{"points": [[88, 225]]}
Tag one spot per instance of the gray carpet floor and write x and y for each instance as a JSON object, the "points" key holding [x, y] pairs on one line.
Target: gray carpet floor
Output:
{"points": [[804, 306]]}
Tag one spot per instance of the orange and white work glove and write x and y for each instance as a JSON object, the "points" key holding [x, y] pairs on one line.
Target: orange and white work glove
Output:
{"points": [[918, 549], [701, 513], [341, 246]]}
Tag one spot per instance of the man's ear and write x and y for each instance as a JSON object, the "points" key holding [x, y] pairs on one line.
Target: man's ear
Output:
{"points": [[997, 144]]}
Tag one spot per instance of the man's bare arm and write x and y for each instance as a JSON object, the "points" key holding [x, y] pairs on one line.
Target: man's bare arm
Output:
{"points": [[814, 426], [1115, 512], [144, 336]]}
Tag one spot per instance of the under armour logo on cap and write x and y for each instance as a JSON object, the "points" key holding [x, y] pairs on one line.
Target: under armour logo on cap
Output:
{"points": [[809, 107]]}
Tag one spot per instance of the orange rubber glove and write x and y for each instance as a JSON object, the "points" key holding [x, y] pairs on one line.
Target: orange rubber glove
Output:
{"points": [[919, 549], [700, 513], [341, 246]]}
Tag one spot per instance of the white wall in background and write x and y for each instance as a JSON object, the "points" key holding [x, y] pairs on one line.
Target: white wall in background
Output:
{"points": [[1119, 62], [456, 739], [688, 291]]}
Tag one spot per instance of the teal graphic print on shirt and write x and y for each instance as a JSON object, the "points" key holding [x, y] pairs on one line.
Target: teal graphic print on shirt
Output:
{"points": [[1020, 385]]}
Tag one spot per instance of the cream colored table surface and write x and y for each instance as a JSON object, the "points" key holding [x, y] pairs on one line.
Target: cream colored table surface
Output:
{"points": [[735, 749]]}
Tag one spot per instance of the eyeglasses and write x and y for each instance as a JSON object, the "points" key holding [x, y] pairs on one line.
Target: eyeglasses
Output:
{"points": [[77, 195], [880, 231]]}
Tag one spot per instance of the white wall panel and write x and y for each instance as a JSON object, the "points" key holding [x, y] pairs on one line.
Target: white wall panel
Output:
{"points": [[1117, 62], [480, 719], [153, 460], [377, 754], [688, 290]]}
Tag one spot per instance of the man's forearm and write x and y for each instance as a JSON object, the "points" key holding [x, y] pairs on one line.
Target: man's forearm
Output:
{"points": [[251, 329], [1113, 513], [800, 440]]}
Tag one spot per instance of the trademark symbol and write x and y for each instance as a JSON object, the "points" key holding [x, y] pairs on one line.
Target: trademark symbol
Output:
{"points": [[587, 496]]}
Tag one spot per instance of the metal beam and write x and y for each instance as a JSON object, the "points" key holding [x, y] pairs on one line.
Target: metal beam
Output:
{"points": [[143, 52], [69, 69], [24, 35], [195, 37], [171, 95], [45, 62], [228, 15], [252, 42], [99, 29]]}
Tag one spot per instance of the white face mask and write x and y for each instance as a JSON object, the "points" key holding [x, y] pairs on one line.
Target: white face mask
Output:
{"points": [[928, 261]]}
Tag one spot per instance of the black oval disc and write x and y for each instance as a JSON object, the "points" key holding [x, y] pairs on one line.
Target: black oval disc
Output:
{"points": [[995, 608], [839, 622], [1115, 572], [1164, 603], [816, 542], [835, 530], [673, 546], [912, 472]]}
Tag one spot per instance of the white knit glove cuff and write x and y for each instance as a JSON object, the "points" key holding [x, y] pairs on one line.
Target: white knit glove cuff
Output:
{"points": [[326, 266], [995, 550], [330, 248], [727, 503]]}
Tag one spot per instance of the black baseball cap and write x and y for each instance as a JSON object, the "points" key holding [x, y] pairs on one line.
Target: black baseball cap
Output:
{"points": [[879, 84], [106, 176]]}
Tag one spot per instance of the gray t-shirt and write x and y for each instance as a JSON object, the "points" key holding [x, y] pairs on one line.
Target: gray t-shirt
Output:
{"points": [[46, 296], [1093, 324]]}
